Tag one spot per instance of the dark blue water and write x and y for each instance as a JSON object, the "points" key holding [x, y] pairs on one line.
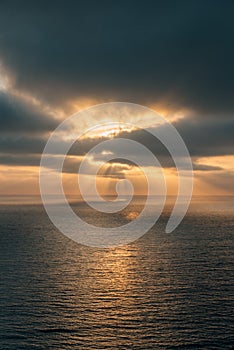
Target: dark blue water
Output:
{"points": [[164, 291]]}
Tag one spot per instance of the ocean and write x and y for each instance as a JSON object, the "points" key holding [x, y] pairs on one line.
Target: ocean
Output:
{"points": [[163, 291]]}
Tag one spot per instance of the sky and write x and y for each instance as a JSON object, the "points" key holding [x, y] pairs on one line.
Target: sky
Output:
{"points": [[175, 57]]}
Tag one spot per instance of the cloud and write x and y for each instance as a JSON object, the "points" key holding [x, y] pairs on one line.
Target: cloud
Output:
{"points": [[209, 137], [20, 144], [178, 52], [202, 138], [20, 160], [204, 167], [178, 55], [19, 116]]}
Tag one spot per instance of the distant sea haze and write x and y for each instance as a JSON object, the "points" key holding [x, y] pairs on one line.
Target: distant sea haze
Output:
{"points": [[163, 291], [209, 201]]}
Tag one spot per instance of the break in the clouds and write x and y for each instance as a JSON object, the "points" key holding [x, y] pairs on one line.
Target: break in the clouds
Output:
{"points": [[181, 52], [203, 138], [214, 138], [172, 55]]}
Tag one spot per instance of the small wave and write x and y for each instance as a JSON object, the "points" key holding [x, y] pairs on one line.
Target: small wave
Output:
{"points": [[57, 330]]}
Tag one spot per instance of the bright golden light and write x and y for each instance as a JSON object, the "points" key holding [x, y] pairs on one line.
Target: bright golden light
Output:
{"points": [[109, 130], [132, 215], [225, 162]]}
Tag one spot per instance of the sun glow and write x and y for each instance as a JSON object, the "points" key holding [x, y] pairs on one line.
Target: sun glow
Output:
{"points": [[109, 130], [3, 82]]}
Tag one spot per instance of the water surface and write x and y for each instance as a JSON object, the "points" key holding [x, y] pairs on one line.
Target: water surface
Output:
{"points": [[164, 291]]}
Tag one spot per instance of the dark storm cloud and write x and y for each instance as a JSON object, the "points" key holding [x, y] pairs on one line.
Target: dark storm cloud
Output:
{"points": [[207, 137], [17, 144], [181, 51], [71, 165], [204, 167], [178, 52], [202, 138], [20, 160], [19, 116]]}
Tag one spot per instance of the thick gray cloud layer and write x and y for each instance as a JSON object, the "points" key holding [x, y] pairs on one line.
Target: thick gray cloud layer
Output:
{"points": [[179, 52], [202, 139], [127, 50], [17, 116]]}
